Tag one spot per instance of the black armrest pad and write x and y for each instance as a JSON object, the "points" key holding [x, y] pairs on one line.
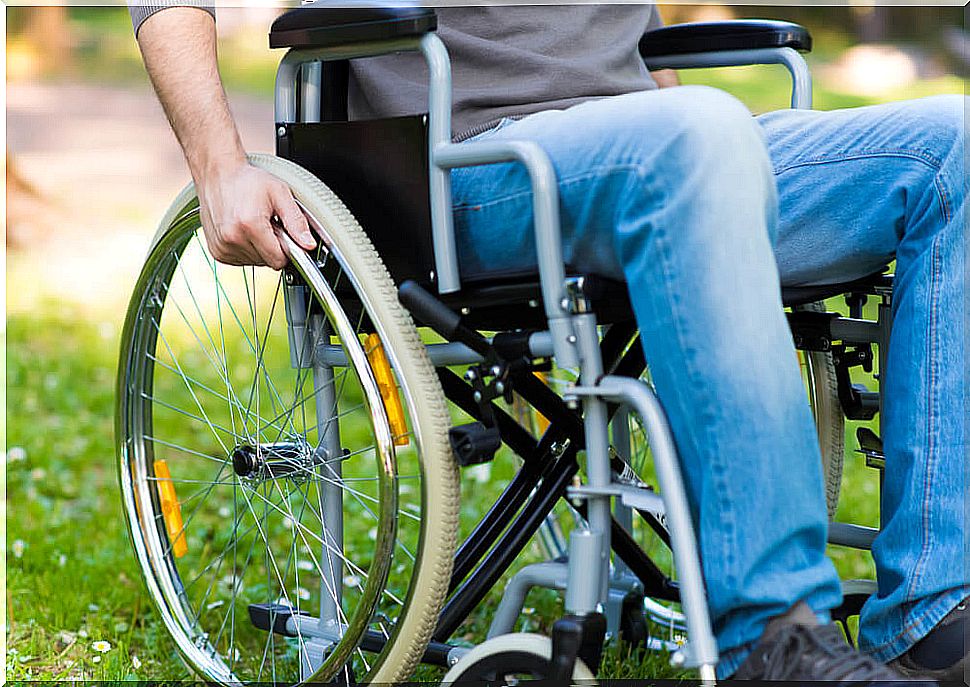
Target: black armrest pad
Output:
{"points": [[317, 26], [740, 34]]}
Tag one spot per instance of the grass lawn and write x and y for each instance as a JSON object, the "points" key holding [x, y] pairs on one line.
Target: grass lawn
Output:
{"points": [[76, 606], [72, 580]]}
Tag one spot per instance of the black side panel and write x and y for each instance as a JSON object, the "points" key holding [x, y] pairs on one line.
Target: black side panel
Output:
{"points": [[333, 105], [379, 169]]}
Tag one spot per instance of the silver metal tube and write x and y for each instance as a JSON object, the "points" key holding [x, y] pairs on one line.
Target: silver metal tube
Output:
{"points": [[789, 57], [545, 192], [330, 492], [311, 77], [703, 647], [588, 552], [598, 473], [442, 355], [548, 575], [855, 536], [620, 425], [439, 134], [301, 353], [285, 90]]}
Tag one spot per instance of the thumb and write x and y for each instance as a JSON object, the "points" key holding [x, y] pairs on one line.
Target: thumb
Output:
{"points": [[293, 219]]}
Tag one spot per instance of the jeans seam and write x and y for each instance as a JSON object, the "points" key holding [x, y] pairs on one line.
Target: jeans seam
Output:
{"points": [[927, 159], [944, 198], [930, 426], [930, 161], [907, 633], [603, 170]]}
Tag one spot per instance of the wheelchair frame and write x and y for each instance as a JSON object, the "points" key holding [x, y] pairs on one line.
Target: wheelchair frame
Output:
{"points": [[605, 392], [573, 340]]}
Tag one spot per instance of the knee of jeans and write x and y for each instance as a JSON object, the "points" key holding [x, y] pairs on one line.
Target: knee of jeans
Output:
{"points": [[944, 121], [720, 148], [716, 127]]}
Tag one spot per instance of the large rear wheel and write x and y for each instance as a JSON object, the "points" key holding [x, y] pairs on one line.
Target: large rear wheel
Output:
{"points": [[290, 492]]}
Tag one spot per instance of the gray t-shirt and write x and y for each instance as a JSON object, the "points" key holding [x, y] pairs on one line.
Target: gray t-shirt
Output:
{"points": [[513, 60], [507, 61]]}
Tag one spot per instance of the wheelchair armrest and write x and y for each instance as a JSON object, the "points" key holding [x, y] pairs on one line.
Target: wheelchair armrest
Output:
{"points": [[318, 26], [720, 36]]}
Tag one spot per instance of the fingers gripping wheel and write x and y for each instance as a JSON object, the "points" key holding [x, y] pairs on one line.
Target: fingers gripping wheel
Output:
{"points": [[275, 491], [506, 659]]}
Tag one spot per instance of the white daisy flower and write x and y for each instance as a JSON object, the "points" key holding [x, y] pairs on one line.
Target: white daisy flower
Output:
{"points": [[101, 646]]}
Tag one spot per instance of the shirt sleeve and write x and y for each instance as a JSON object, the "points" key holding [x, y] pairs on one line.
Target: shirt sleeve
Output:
{"points": [[655, 21], [141, 10]]}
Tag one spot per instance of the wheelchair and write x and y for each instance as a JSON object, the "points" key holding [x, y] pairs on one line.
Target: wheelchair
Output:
{"points": [[289, 466]]}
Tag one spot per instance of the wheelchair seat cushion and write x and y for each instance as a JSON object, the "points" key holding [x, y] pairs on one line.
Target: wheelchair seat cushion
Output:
{"points": [[318, 26]]}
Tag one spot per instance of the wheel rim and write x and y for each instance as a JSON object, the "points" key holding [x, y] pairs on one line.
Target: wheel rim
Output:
{"points": [[272, 500]]}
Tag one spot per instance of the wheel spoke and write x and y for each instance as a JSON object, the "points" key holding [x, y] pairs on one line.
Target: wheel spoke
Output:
{"points": [[213, 381]]}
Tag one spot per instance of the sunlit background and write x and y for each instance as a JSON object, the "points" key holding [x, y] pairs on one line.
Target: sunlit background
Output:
{"points": [[91, 168]]}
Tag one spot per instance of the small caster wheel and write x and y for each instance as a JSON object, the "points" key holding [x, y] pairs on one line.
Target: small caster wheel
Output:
{"points": [[507, 659]]}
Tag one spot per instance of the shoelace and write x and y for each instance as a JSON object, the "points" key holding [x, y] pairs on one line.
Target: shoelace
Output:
{"points": [[783, 660]]}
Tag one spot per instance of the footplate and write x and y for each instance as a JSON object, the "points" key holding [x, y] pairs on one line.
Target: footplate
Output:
{"points": [[274, 618]]}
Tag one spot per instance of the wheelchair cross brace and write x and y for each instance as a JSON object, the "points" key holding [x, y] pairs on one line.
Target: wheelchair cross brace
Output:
{"points": [[591, 546]]}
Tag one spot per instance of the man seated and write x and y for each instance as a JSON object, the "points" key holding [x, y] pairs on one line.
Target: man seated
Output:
{"points": [[703, 210]]}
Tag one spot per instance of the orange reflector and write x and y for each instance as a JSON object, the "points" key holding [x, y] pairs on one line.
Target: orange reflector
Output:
{"points": [[171, 510], [388, 386], [542, 424]]}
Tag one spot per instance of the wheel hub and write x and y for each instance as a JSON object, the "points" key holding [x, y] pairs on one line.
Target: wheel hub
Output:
{"points": [[294, 460]]}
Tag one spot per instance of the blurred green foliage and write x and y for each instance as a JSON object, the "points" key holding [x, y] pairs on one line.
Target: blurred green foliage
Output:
{"points": [[102, 45]]}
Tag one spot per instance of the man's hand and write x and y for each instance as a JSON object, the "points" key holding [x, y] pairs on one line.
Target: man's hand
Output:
{"points": [[238, 201], [238, 204]]}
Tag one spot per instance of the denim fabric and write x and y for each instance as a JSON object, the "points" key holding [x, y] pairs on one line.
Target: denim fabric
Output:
{"points": [[704, 210]]}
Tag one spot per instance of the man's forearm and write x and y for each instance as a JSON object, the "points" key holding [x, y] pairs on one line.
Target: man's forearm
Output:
{"points": [[238, 202], [178, 45]]}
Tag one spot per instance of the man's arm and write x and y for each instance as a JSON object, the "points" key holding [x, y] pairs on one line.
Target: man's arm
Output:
{"points": [[665, 78], [237, 200]]}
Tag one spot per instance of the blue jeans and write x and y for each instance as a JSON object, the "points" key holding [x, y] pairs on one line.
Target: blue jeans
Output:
{"points": [[704, 210]]}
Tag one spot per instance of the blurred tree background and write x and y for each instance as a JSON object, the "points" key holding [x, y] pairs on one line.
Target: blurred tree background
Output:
{"points": [[96, 42]]}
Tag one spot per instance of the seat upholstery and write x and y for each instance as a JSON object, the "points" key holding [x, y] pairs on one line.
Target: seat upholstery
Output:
{"points": [[318, 26]]}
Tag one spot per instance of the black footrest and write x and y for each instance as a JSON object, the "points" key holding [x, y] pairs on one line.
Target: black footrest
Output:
{"points": [[273, 617], [474, 443]]}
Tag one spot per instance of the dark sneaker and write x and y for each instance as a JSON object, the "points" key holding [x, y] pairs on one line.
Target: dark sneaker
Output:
{"points": [[795, 647], [943, 654]]}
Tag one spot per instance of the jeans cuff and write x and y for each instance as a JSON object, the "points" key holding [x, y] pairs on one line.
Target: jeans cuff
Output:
{"points": [[915, 631], [729, 662]]}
